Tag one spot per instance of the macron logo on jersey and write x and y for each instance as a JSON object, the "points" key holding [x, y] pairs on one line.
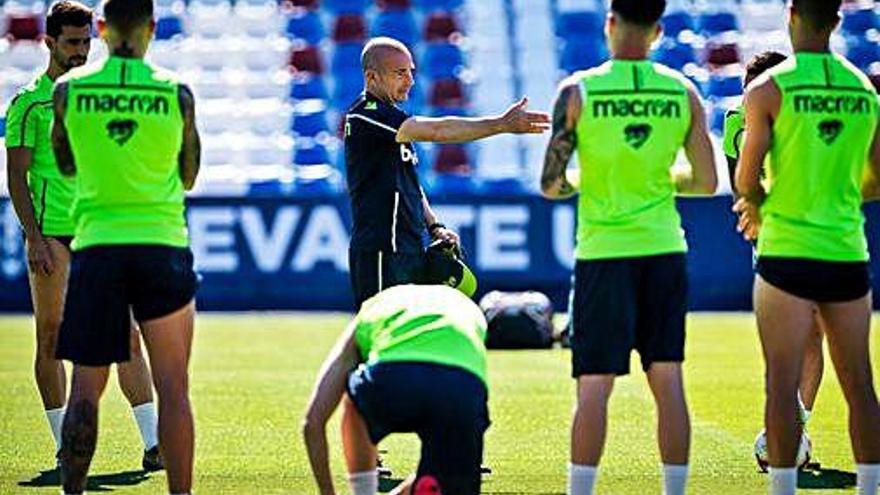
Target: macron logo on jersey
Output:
{"points": [[658, 108], [122, 103], [832, 104]]}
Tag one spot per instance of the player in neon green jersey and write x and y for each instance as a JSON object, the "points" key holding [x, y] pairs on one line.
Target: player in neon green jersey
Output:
{"points": [[816, 116], [126, 130], [814, 362], [42, 198], [422, 370], [628, 119]]}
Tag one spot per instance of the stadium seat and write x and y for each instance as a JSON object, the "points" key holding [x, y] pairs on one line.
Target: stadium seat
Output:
{"points": [[860, 20], [441, 5], [314, 154], [722, 54], [347, 6], [393, 4], [717, 23], [306, 59], [505, 186], [452, 185], [168, 27], [305, 25], [451, 159], [448, 93], [440, 26], [347, 89], [674, 54], [724, 86], [579, 24], [346, 58], [397, 24], [2, 126], [582, 53], [349, 28], [442, 60], [23, 27], [717, 118], [676, 22], [304, 4], [317, 181], [308, 87], [309, 124], [863, 53]]}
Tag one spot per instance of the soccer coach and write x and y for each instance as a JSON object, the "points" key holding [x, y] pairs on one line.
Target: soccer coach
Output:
{"points": [[389, 208]]}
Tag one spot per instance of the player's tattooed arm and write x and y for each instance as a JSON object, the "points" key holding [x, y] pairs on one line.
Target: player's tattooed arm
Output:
{"points": [[191, 149], [60, 142], [329, 390], [563, 141]]}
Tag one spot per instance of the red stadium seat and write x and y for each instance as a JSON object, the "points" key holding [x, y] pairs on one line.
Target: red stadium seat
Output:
{"points": [[448, 93], [349, 28], [306, 59], [452, 159], [23, 27], [722, 54], [393, 4], [440, 26]]}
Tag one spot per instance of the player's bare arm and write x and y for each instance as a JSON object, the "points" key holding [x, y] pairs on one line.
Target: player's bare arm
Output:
{"points": [[39, 256], [60, 142], [563, 141], [191, 150], [702, 177], [516, 120], [762, 101], [871, 184], [325, 399], [435, 227]]}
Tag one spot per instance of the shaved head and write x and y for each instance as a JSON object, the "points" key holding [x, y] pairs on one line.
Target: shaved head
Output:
{"points": [[377, 50]]}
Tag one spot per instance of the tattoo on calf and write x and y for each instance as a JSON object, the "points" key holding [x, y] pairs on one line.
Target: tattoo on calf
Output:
{"points": [[561, 146], [79, 437]]}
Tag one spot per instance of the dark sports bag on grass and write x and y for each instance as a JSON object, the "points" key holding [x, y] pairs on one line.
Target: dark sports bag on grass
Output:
{"points": [[518, 320]]}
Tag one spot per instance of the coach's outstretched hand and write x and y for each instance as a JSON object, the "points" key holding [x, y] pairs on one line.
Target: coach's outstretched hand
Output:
{"points": [[518, 120]]}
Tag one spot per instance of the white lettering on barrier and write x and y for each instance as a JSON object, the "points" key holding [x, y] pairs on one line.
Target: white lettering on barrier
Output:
{"points": [[563, 234], [269, 248], [502, 239], [212, 239], [325, 238]]}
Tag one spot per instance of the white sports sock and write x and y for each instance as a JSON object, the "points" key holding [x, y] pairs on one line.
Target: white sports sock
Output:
{"points": [[783, 481], [56, 421], [148, 422], [364, 482], [868, 477], [675, 478], [581, 479]]}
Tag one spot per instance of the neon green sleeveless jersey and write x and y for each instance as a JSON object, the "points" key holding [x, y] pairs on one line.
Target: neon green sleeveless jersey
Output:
{"points": [[821, 143], [125, 127], [635, 119], [423, 323], [29, 125], [734, 129]]}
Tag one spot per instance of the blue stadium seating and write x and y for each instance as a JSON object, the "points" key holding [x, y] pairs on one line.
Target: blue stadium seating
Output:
{"points": [[3, 126], [721, 86], [584, 23], [315, 154], [443, 5], [858, 21], [307, 26], [442, 60], [348, 86], [346, 58], [452, 185], [676, 22], [582, 53], [308, 88], [501, 187], [397, 24], [168, 27], [347, 6], [717, 23], [309, 124], [674, 54], [862, 53]]}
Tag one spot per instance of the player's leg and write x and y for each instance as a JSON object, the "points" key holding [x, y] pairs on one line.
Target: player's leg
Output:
{"points": [[47, 294], [848, 330], [137, 386], [590, 423], [814, 367], [359, 451], [169, 341], [673, 420], [784, 322], [80, 433]]}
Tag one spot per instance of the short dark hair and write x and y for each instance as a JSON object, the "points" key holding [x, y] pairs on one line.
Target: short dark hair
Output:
{"points": [[820, 14], [126, 15], [761, 62], [640, 12], [67, 13]]}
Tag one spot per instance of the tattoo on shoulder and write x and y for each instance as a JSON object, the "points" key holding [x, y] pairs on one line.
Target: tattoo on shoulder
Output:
{"points": [[562, 142]]}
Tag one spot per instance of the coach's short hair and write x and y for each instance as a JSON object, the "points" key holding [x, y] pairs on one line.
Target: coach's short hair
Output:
{"points": [[67, 13], [820, 14], [371, 55], [641, 12], [127, 15], [761, 62]]}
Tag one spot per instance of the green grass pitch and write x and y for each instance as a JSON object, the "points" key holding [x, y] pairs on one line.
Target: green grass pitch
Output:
{"points": [[252, 373]]}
